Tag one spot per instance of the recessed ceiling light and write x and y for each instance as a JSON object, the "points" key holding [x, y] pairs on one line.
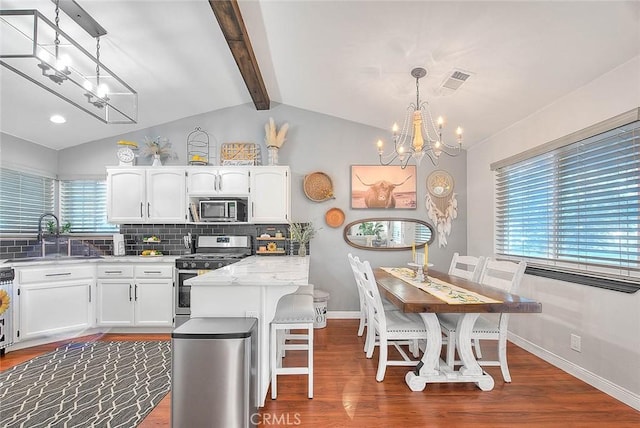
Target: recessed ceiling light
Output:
{"points": [[56, 118]]}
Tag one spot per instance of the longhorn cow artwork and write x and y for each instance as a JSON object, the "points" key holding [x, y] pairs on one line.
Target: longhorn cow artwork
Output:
{"points": [[383, 187]]}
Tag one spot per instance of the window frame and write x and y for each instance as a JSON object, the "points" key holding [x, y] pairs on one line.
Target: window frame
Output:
{"points": [[627, 279], [61, 206], [52, 204], [56, 202]]}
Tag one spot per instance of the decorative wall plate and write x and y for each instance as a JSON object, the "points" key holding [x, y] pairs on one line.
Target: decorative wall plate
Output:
{"points": [[318, 186], [334, 217]]}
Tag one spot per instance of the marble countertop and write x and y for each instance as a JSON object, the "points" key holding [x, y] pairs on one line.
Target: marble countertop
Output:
{"points": [[43, 261], [258, 270]]}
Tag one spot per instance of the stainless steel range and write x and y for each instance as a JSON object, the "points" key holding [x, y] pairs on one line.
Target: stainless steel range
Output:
{"points": [[210, 253]]}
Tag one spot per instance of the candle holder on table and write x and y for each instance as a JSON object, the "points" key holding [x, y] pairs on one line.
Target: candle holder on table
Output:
{"points": [[420, 272]]}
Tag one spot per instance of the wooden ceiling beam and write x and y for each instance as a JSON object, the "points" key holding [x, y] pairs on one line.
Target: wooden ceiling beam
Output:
{"points": [[229, 18]]}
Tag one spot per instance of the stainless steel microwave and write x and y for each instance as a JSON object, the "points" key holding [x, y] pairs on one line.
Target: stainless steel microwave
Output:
{"points": [[219, 210]]}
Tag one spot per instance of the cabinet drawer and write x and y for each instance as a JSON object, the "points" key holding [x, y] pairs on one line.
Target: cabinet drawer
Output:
{"points": [[150, 270], [115, 271], [55, 273]]}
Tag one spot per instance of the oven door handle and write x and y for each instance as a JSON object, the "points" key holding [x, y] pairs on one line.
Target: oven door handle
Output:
{"points": [[129, 292]]}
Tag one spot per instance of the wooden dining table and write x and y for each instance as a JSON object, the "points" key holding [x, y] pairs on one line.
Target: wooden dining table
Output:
{"points": [[431, 369]]}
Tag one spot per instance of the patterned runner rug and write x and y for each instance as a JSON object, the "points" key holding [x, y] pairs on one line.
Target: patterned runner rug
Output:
{"points": [[97, 384]]}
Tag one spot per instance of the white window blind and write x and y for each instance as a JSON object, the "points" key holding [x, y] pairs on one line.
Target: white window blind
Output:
{"points": [[23, 198], [576, 207], [83, 203]]}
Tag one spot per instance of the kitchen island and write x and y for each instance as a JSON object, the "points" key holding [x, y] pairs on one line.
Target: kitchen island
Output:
{"points": [[250, 288]]}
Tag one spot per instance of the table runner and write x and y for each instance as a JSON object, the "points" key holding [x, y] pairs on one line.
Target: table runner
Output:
{"points": [[444, 291]]}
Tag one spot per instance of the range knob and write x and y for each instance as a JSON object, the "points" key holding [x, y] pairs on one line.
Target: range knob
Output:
{"points": [[220, 264], [185, 264], [193, 265], [206, 265]]}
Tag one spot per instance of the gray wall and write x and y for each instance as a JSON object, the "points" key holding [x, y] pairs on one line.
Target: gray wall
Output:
{"points": [[315, 142], [16, 153], [608, 321]]}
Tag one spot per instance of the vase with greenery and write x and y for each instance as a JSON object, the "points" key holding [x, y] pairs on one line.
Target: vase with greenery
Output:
{"points": [[302, 233]]}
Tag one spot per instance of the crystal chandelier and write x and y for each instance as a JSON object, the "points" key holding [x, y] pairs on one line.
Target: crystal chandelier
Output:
{"points": [[420, 135], [41, 52]]}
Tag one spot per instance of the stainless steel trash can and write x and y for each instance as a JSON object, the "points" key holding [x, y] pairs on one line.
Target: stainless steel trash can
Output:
{"points": [[213, 373]]}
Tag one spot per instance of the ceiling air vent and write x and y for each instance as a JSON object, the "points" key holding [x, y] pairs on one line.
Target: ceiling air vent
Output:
{"points": [[455, 79]]}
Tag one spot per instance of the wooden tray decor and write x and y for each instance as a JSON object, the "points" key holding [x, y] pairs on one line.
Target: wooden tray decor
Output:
{"points": [[239, 154], [318, 186]]}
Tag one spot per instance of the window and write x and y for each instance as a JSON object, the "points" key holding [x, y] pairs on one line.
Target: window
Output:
{"points": [[23, 199], [83, 203], [575, 208]]}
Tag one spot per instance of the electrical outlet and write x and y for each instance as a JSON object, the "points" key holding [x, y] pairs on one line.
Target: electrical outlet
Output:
{"points": [[251, 314], [575, 342]]}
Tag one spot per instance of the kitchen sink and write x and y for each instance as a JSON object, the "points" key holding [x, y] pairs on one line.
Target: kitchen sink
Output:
{"points": [[51, 258]]}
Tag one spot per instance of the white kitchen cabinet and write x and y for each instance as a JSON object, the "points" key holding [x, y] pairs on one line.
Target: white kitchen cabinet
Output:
{"points": [[146, 195], [135, 295], [126, 195], [153, 295], [270, 196], [54, 300], [214, 181], [115, 295]]}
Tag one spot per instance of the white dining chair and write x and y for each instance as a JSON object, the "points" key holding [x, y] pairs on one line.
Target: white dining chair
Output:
{"points": [[467, 267], [363, 304], [389, 327], [502, 274]]}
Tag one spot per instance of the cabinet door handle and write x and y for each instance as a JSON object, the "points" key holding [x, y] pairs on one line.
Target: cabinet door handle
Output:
{"points": [[115, 272], [215, 182], [89, 293], [219, 182], [141, 214], [135, 292], [154, 272], [130, 292], [59, 274], [148, 209]]}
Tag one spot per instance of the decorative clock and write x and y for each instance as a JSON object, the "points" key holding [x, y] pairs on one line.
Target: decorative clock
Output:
{"points": [[125, 156]]}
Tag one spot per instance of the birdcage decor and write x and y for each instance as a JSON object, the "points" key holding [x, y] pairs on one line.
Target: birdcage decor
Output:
{"points": [[198, 150]]}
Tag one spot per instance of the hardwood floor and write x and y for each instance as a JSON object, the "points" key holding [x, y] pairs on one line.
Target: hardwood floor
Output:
{"points": [[346, 393]]}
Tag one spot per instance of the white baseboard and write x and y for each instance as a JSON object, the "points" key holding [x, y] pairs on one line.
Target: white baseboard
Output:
{"points": [[343, 314], [619, 393]]}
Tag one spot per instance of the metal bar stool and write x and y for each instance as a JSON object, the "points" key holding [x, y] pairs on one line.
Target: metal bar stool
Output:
{"points": [[294, 311]]}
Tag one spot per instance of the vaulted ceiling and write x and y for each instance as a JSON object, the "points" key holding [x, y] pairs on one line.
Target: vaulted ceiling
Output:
{"points": [[349, 59]]}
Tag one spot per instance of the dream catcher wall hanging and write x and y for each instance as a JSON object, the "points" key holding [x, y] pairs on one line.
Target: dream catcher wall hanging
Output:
{"points": [[441, 203]]}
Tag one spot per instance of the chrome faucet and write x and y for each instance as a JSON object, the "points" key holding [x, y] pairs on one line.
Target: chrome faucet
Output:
{"points": [[42, 217]]}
